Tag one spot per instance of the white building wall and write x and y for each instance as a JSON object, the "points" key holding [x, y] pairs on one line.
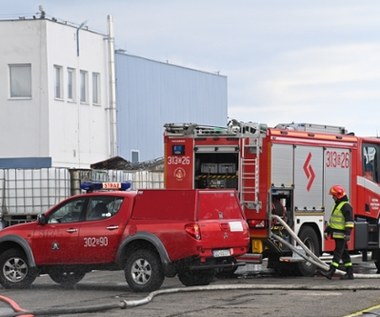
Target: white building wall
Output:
{"points": [[79, 130], [23, 122], [68, 132]]}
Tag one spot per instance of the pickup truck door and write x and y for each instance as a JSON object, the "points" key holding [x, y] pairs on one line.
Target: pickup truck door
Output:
{"points": [[56, 241], [100, 233]]}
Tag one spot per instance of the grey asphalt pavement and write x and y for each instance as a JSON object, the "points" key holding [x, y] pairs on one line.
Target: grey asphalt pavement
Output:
{"points": [[252, 292]]}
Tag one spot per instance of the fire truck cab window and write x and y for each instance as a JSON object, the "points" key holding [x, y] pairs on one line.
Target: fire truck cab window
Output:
{"points": [[370, 164]]}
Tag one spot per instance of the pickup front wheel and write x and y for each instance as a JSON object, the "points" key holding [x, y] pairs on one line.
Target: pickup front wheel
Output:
{"points": [[15, 271], [143, 271]]}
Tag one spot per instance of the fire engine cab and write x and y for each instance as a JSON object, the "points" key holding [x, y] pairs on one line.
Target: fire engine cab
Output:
{"points": [[285, 170]]}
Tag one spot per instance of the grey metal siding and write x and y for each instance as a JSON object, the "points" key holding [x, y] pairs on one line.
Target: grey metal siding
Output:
{"points": [[26, 162], [151, 93]]}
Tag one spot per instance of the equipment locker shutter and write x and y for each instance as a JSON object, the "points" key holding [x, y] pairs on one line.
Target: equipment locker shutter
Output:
{"points": [[308, 178], [282, 165]]}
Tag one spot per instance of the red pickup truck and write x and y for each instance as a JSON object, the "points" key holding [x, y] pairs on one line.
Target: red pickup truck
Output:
{"points": [[149, 234]]}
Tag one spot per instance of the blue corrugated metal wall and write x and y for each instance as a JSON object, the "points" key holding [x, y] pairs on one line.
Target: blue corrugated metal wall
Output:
{"points": [[151, 93]]}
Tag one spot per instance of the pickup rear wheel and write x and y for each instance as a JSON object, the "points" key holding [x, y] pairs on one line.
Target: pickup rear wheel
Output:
{"points": [[66, 278], [193, 278], [15, 271], [143, 271]]}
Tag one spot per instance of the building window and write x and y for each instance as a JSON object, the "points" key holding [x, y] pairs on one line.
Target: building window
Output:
{"points": [[135, 156], [83, 86], [96, 88], [20, 79], [58, 82], [71, 84]]}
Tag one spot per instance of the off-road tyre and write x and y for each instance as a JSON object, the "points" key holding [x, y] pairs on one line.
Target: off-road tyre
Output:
{"points": [[15, 271], [143, 271], [194, 278]]}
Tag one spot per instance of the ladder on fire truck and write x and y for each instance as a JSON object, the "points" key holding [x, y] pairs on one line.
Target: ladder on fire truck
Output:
{"points": [[312, 127], [251, 138], [195, 129]]}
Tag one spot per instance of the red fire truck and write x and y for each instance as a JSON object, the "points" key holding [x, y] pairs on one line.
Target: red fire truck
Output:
{"points": [[285, 170]]}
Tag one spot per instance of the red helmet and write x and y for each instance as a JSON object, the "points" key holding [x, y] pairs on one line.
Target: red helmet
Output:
{"points": [[337, 191]]}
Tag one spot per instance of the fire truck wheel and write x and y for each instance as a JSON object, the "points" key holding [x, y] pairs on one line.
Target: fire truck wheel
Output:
{"points": [[282, 268], [66, 278], [143, 271], [194, 278], [310, 239], [15, 271]]}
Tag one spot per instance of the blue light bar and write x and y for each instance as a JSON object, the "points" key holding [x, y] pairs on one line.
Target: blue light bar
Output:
{"points": [[126, 185], [94, 186]]}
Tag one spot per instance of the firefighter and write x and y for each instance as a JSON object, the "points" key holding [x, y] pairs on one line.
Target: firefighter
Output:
{"points": [[339, 228]]}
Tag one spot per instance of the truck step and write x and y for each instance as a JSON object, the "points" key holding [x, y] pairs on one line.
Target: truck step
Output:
{"points": [[295, 258], [251, 258], [292, 259]]}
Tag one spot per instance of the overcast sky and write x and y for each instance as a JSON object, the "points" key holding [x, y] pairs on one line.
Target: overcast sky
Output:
{"points": [[314, 61]]}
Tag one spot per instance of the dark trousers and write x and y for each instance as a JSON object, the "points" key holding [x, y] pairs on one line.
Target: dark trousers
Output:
{"points": [[340, 252]]}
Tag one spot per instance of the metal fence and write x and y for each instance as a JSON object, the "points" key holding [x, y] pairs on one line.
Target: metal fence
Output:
{"points": [[24, 193]]}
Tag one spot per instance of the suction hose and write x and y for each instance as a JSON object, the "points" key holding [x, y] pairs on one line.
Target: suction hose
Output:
{"points": [[312, 258]]}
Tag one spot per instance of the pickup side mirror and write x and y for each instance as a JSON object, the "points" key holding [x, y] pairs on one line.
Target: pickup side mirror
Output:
{"points": [[41, 219]]}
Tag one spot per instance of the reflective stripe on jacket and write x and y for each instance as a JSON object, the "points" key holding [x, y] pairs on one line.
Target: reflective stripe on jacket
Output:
{"points": [[338, 222]]}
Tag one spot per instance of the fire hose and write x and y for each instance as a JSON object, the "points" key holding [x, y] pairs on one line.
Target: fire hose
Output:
{"points": [[310, 256]]}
